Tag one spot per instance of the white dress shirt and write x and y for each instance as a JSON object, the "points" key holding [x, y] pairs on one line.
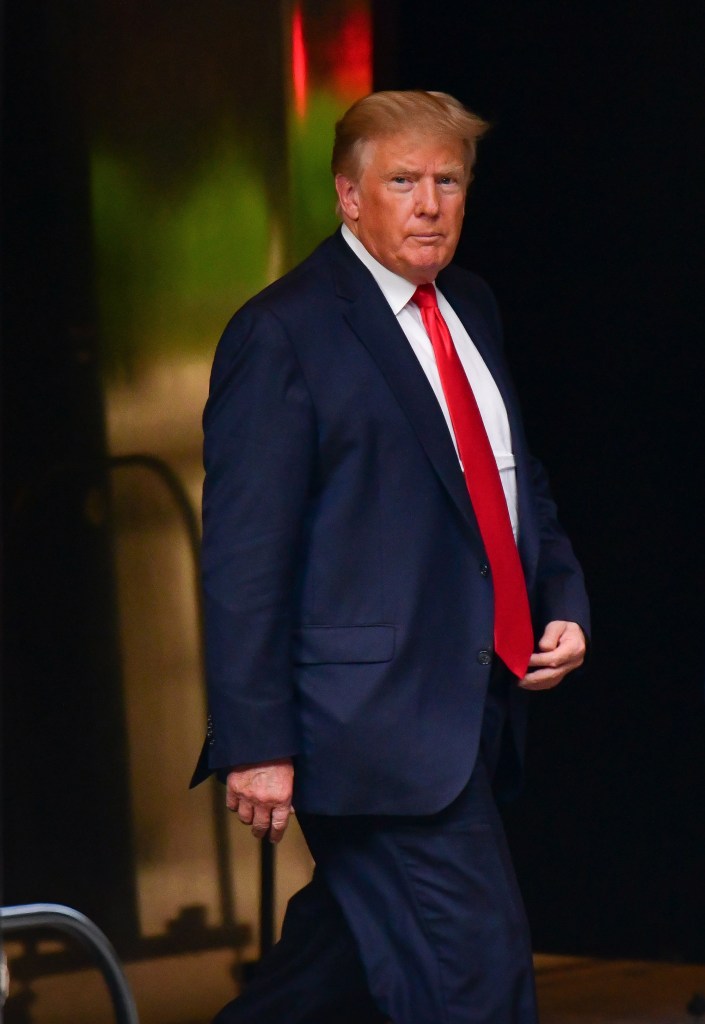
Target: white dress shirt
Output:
{"points": [[398, 292]]}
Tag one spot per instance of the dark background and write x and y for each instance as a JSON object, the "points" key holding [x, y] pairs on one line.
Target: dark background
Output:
{"points": [[585, 217]]}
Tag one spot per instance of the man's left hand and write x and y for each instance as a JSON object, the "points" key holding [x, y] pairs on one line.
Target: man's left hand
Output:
{"points": [[561, 649]]}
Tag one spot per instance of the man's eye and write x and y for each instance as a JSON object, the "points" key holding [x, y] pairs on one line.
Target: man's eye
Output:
{"points": [[399, 179]]}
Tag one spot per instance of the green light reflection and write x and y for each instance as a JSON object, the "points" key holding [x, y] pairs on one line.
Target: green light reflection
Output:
{"points": [[171, 272]]}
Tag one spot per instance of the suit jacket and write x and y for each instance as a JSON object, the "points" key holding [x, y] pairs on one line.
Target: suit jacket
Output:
{"points": [[348, 600]]}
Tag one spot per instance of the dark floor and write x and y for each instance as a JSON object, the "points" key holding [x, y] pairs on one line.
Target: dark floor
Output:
{"points": [[583, 991], [189, 990]]}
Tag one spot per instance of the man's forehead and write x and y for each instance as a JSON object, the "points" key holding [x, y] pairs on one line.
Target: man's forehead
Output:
{"points": [[413, 148]]}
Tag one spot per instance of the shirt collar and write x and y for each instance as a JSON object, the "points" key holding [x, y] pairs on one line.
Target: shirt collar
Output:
{"points": [[396, 289]]}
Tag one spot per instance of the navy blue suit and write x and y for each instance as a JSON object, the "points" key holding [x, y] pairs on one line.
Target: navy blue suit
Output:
{"points": [[348, 600]]}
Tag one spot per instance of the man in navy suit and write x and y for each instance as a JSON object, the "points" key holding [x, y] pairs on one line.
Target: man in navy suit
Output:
{"points": [[354, 589]]}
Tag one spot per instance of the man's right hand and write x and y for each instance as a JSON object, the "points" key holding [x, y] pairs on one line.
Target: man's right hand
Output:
{"points": [[260, 794]]}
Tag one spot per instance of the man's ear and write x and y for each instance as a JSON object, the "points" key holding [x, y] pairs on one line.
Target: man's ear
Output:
{"points": [[347, 196]]}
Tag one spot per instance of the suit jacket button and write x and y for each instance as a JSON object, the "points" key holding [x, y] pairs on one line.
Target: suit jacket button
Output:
{"points": [[484, 657], [484, 569]]}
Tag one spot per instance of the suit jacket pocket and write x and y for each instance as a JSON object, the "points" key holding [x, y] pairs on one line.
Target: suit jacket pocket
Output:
{"points": [[320, 645]]}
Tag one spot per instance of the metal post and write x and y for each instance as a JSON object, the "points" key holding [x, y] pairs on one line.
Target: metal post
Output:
{"points": [[266, 911]]}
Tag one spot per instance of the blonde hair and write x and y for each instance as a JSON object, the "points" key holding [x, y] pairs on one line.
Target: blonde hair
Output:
{"points": [[382, 114]]}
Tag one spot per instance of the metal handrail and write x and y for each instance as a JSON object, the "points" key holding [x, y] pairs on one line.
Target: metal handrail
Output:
{"points": [[163, 471], [172, 483], [65, 919]]}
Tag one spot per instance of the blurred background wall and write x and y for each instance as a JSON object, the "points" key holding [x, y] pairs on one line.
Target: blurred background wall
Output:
{"points": [[161, 162]]}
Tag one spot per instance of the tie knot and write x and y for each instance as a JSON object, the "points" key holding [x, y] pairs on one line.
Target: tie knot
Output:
{"points": [[425, 297]]}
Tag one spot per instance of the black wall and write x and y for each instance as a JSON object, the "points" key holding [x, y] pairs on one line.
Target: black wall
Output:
{"points": [[586, 218], [65, 809]]}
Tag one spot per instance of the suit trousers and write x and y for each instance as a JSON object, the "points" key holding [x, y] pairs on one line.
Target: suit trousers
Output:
{"points": [[417, 920]]}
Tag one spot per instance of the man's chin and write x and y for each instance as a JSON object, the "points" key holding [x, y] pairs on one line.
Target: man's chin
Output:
{"points": [[423, 271]]}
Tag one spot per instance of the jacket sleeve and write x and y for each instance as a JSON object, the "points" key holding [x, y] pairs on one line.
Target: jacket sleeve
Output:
{"points": [[259, 454]]}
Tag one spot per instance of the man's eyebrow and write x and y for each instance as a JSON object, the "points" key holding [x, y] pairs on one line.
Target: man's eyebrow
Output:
{"points": [[408, 172]]}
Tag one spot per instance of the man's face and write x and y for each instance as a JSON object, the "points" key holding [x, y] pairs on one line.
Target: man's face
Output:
{"points": [[407, 205]]}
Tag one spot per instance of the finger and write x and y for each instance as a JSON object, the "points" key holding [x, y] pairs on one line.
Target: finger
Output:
{"points": [[534, 686], [551, 659], [261, 822], [232, 794], [280, 819], [543, 679], [563, 657], [245, 812], [551, 636]]}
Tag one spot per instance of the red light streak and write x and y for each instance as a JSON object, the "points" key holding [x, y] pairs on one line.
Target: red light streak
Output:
{"points": [[299, 69], [352, 55]]}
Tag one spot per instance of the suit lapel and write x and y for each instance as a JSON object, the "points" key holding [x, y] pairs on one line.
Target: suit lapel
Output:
{"points": [[368, 314]]}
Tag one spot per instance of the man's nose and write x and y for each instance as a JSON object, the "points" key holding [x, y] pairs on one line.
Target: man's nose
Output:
{"points": [[426, 198]]}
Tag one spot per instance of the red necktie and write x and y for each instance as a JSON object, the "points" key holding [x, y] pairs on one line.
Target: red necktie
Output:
{"points": [[513, 634]]}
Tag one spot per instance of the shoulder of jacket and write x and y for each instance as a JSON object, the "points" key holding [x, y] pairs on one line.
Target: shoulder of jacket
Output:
{"points": [[294, 289]]}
